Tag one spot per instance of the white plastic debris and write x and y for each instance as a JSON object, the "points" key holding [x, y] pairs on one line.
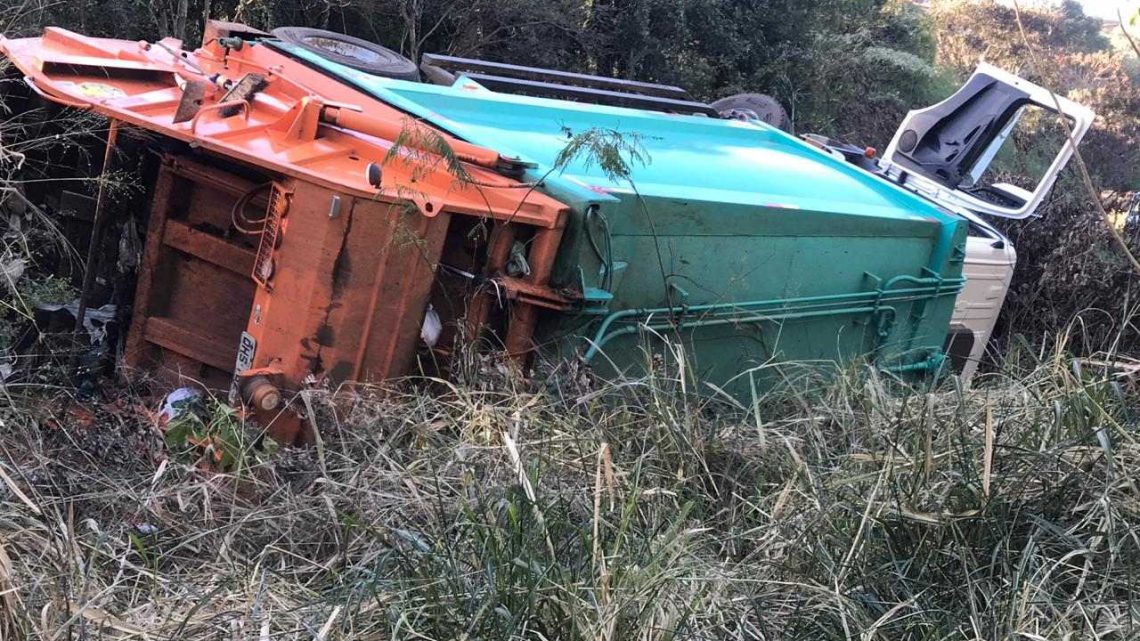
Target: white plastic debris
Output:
{"points": [[432, 327], [11, 269], [95, 320], [176, 402]]}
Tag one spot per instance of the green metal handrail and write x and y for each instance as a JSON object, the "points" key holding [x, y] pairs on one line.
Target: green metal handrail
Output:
{"points": [[710, 314]]}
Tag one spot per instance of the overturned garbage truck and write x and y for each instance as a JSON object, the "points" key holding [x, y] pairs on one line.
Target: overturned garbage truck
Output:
{"points": [[322, 216]]}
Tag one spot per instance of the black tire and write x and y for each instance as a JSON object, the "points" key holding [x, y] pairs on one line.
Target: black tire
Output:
{"points": [[764, 107], [358, 54]]}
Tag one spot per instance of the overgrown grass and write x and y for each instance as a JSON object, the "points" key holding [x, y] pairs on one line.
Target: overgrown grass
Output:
{"points": [[843, 512]]}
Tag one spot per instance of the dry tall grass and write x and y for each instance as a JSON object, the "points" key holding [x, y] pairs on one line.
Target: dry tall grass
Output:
{"points": [[845, 512]]}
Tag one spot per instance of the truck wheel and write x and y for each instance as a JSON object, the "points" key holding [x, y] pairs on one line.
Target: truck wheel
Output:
{"points": [[755, 105], [358, 54]]}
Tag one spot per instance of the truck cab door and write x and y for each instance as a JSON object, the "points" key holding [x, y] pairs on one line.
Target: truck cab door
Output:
{"points": [[943, 152]]}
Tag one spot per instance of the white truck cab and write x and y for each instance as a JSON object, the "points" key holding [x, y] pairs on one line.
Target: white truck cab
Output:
{"points": [[943, 152], [988, 268]]}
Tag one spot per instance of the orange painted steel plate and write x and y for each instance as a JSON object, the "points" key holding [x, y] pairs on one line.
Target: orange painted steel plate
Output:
{"points": [[283, 128]]}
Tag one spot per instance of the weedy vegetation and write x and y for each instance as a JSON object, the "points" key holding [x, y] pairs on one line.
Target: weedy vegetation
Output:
{"points": [[837, 510]]}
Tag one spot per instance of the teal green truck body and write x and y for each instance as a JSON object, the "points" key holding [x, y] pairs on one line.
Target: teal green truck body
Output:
{"points": [[740, 243]]}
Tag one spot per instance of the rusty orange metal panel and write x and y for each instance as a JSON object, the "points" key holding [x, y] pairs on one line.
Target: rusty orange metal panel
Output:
{"points": [[349, 285], [331, 288], [347, 291], [194, 293]]}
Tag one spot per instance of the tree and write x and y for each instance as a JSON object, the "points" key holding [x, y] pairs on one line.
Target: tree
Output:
{"points": [[846, 67]]}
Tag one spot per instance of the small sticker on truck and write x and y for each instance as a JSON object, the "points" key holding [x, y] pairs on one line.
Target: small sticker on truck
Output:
{"points": [[247, 347]]}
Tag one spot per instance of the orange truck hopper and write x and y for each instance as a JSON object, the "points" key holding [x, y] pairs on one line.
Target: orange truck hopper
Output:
{"points": [[297, 239]]}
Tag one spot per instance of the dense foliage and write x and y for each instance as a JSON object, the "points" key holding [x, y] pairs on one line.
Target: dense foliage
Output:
{"points": [[819, 57]]}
